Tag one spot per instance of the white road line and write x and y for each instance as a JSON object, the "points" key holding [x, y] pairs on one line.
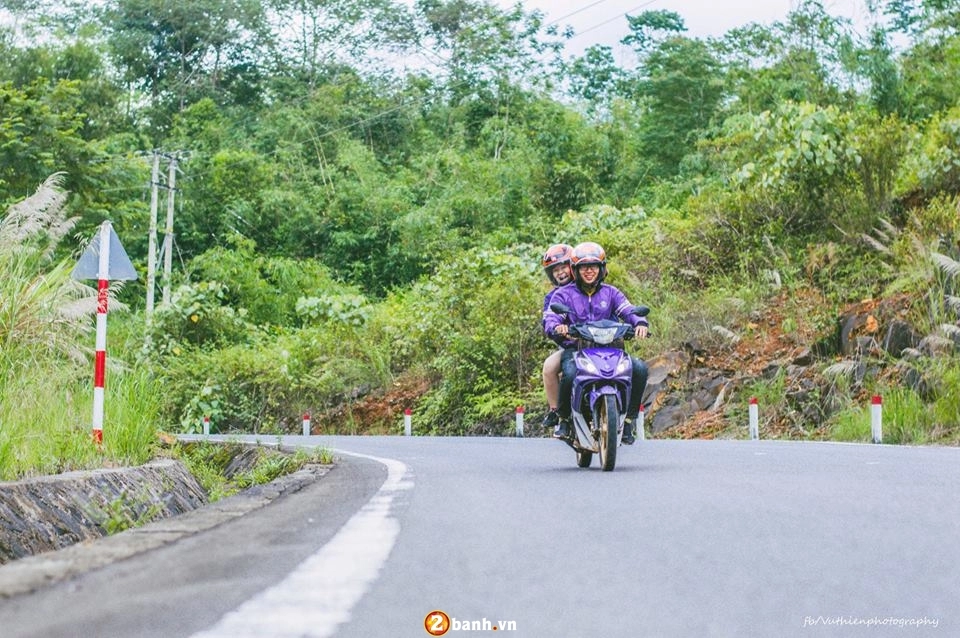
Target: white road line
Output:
{"points": [[317, 596]]}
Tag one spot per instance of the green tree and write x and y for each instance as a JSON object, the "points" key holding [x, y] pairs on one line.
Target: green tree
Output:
{"points": [[480, 46], [810, 57], [178, 52], [39, 133], [595, 78], [313, 36], [678, 86], [880, 67], [682, 91]]}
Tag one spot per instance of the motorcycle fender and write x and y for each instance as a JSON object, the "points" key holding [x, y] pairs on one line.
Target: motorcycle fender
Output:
{"points": [[597, 392]]}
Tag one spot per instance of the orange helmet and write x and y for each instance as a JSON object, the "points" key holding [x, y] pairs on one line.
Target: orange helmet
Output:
{"points": [[589, 253], [555, 255]]}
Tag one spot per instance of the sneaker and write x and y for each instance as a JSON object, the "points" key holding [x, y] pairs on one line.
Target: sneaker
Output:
{"points": [[551, 420], [562, 431], [629, 434]]}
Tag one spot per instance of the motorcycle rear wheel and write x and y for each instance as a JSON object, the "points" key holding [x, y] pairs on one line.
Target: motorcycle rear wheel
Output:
{"points": [[606, 417]]}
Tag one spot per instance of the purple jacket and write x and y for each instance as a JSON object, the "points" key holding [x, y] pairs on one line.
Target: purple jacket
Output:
{"points": [[547, 300], [606, 302]]}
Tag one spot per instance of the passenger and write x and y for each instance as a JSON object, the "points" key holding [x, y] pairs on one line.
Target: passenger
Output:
{"points": [[556, 266]]}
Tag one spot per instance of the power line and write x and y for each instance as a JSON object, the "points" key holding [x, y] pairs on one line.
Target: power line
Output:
{"points": [[573, 13], [622, 15]]}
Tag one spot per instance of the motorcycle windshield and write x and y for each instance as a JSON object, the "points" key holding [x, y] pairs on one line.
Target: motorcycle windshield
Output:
{"points": [[603, 336]]}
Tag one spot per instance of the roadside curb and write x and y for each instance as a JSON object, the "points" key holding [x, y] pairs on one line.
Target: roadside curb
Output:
{"points": [[34, 572]]}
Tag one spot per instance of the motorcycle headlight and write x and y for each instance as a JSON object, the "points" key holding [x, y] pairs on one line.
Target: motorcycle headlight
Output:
{"points": [[623, 365], [586, 364]]}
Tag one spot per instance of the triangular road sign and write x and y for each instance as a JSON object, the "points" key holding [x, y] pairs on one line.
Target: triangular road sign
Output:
{"points": [[119, 267]]}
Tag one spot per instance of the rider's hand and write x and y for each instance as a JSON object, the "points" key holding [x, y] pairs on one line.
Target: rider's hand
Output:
{"points": [[640, 332], [561, 330]]}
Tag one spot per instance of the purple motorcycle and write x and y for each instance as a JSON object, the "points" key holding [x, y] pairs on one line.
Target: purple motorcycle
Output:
{"points": [[601, 389]]}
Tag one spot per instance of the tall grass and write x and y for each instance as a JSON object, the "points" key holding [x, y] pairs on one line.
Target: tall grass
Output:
{"points": [[45, 421]]}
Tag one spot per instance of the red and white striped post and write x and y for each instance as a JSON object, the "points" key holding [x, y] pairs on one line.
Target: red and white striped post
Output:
{"points": [[520, 421], [306, 424], [754, 419], [407, 422], [641, 435], [876, 419], [98, 262], [100, 360]]}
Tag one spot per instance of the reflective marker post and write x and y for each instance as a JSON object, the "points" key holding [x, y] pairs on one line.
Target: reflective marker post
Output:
{"points": [[754, 419], [641, 435], [103, 260], [407, 422], [100, 358], [520, 421], [306, 424], [876, 419]]}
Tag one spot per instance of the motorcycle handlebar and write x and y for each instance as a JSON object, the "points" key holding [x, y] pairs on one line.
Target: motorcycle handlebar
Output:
{"points": [[639, 311]]}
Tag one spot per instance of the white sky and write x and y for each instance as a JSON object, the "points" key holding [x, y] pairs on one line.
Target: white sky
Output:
{"points": [[603, 21]]}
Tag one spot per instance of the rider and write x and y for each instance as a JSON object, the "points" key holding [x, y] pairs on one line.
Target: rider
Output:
{"points": [[589, 299], [556, 266]]}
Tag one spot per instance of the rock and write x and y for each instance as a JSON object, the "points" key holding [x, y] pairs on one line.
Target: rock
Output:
{"points": [[847, 333], [803, 358], [935, 345], [858, 331], [912, 378], [772, 370], [671, 414], [899, 337], [666, 365]]}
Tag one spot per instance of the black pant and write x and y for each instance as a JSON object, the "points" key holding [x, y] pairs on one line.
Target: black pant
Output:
{"points": [[568, 367]]}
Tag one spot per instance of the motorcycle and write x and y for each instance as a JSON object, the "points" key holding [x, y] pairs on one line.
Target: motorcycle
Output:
{"points": [[601, 389]]}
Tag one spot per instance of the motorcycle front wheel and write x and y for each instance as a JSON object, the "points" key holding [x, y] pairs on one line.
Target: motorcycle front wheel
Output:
{"points": [[606, 416]]}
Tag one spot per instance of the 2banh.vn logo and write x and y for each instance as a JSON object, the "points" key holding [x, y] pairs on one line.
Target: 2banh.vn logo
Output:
{"points": [[438, 623]]}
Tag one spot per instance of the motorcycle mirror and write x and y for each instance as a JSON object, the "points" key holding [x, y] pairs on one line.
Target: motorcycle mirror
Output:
{"points": [[560, 308]]}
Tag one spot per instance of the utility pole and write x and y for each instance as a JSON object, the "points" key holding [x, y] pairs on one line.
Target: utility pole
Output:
{"points": [[168, 236], [152, 245]]}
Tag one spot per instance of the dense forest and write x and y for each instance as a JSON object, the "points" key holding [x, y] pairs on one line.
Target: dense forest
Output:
{"points": [[361, 191]]}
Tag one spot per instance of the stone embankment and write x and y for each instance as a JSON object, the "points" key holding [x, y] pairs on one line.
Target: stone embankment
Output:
{"points": [[53, 527], [53, 512]]}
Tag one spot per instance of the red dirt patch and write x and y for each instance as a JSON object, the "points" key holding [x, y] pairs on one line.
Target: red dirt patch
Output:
{"points": [[380, 412]]}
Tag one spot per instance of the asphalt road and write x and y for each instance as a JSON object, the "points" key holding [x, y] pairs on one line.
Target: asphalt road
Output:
{"points": [[684, 538]]}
